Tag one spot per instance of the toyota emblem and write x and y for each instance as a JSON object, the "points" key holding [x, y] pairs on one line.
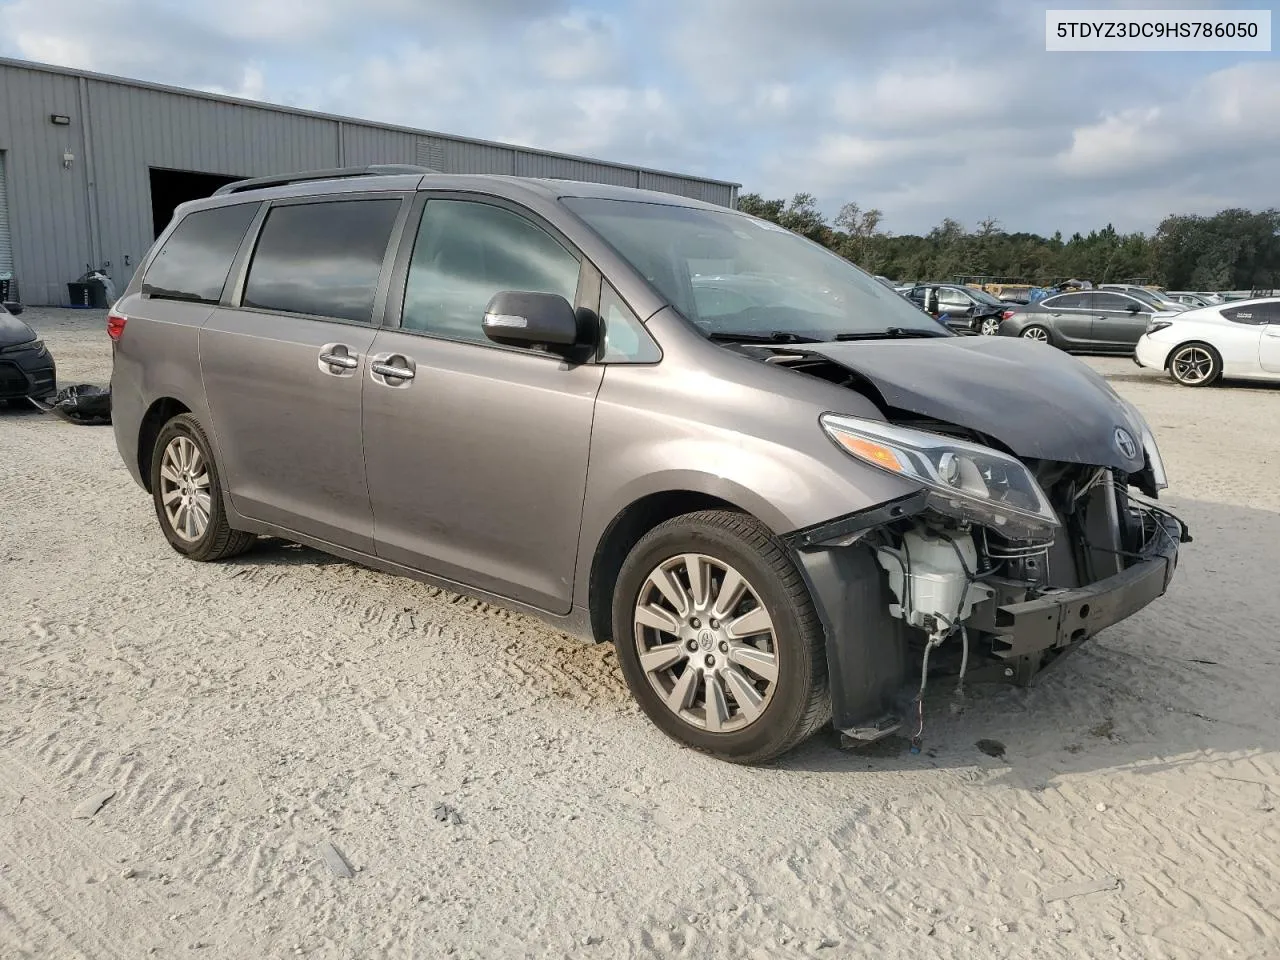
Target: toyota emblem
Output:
{"points": [[1126, 444]]}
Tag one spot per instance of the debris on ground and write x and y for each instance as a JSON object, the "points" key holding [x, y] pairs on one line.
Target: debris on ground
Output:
{"points": [[92, 804], [992, 748], [1080, 888], [82, 403], [334, 858], [446, 814]]}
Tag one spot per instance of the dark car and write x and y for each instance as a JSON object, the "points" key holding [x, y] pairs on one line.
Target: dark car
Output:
{"points": [[1086, 321], [26, 368], [967, 309]]}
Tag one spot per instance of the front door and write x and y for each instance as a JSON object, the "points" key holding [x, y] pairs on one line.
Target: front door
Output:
{"points": [[1119, 320], [283, 368], [1269, 343], [476, 453], [1072, 318]]}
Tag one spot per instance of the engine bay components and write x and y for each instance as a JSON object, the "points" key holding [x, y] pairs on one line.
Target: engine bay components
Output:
{"points": [[934, 576]]}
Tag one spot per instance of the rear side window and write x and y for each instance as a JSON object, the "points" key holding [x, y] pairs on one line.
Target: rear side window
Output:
{"points": [[194, 262], [322, 259], [1254, 313]]}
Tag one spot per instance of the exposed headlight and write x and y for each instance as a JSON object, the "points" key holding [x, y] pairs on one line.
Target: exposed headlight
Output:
{"points": [[965, 480], [1154, 460]]}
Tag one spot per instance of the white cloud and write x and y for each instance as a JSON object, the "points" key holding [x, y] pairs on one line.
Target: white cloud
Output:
{"points": [[924, 108]]}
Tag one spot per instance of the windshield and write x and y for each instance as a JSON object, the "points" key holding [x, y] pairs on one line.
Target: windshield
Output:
{"points": [[1154, 299], [730, 273]]}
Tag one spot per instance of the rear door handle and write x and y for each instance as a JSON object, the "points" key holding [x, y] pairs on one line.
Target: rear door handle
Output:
{"points": [[392, 369]]}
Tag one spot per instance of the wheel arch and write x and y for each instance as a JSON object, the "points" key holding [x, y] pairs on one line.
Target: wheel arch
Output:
{"points": [[159, 413], [626, 529]]}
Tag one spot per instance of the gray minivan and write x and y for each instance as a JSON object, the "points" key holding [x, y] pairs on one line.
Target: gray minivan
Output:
{"points": [[790, 510]]}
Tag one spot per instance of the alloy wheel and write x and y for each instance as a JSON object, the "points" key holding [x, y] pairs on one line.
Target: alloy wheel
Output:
{"points": [[990, 327], [1192, 365], [706, 643], [184, 489], [1039, 334]]}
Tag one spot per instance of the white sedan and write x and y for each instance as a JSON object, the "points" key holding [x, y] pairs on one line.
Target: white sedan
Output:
{"points": [[1198, 347]]}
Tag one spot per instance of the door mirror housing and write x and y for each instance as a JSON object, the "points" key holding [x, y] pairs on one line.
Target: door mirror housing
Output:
{"points": [[516, 318], [1134, 308], [13, 307]]}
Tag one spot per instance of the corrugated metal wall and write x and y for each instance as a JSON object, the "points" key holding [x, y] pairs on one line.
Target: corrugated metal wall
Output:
{"points": [[96, 208]]}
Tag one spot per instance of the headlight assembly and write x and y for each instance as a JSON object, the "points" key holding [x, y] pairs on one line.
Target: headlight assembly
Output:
{"points": [[1154, 460], [966, 481], [33, 346]]}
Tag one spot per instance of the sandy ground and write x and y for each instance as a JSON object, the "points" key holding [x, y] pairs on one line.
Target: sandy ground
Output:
{"points": [[242, 714]]}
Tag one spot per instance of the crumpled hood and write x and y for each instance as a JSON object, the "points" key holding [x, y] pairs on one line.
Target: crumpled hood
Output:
{"points": [[13, 330], [1040, 402]]}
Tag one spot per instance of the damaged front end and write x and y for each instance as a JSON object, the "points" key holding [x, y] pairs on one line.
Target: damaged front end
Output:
{"points": [[997, 567]]}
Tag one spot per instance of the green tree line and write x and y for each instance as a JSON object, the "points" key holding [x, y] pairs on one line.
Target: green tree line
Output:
{"points": [[1231, 250]]}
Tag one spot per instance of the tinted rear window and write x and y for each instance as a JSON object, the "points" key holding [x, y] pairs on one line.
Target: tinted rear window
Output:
{"points": [[322, 258], [194, 262]]}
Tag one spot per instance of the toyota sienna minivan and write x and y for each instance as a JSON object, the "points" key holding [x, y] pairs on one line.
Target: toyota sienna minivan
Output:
{"points": [[784, 492]]}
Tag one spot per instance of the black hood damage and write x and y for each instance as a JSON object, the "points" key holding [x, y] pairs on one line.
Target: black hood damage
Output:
{"points": [[1039, 402]]}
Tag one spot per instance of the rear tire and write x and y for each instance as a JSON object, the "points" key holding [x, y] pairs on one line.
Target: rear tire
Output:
{"points": [[1195, 365], [732, 659], [187, 493], [1037, 333]]}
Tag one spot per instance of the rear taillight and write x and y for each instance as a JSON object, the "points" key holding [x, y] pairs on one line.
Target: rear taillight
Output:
{"points": [[115, 325], [1155, 326], [1005, 315]]}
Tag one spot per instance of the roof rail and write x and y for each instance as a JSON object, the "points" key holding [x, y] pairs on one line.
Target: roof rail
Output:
{"points": [[338, 173]]}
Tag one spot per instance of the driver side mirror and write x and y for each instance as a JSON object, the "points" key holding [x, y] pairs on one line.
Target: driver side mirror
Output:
{"points": [[1134, 308], [516, 318], [13, 307]]}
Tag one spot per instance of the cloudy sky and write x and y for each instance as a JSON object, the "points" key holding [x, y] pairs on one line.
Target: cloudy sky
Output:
{"points": [[923, 108]]}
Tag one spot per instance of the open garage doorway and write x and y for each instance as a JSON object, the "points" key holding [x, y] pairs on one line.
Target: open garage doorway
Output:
{"points": [[172, 187]]}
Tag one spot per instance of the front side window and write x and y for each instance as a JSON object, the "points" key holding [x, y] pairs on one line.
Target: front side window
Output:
{"points": [[787, 284], [624, 339], [953, 298], [468, 251], [322, 259], [194, 262], [1116, 301], [1067, 301]]}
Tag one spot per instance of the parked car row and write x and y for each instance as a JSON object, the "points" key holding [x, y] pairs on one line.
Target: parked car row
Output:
{"points": [[1196, 346]]}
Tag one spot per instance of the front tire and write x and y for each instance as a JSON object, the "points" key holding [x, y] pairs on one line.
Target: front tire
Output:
{"points": [[989, 327], [718, 638], [1195, 365], [187, 493]]}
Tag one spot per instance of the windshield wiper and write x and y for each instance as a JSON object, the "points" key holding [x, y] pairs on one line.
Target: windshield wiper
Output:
{"points": [[772, 336], [891, 333]]}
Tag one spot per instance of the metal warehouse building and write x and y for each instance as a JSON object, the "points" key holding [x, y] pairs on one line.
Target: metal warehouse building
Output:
{"points": [[91, 166]]}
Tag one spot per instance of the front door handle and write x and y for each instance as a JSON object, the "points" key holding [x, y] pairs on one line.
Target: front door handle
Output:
{"points": [[387, 370], [392, 369], [337, 360], [343, 360]]}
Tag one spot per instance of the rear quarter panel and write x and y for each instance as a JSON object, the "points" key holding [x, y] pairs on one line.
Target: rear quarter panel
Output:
{"points": [[158, 357]]}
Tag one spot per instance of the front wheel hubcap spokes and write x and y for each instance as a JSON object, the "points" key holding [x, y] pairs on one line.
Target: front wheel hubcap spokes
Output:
{"points": [[706, 642], [184, 488]]}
